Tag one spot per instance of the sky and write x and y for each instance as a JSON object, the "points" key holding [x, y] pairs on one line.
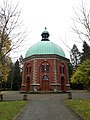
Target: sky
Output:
{"points": [[55, 15]]}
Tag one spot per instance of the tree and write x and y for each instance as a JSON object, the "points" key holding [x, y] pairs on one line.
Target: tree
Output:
{"points": [[10, 27], [86, 52], [6, 61], [10, 35], [4, 69], [82, 22], [70, 70], [10, 78], [17, 77], [82, 74], [82, 30], [75, 56]]}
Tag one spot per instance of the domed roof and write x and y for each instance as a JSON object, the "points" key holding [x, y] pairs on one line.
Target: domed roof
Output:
{"points": [[45, 47]]}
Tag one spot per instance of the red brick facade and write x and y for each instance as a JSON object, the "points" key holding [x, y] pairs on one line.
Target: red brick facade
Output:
{"points": [[45, 73]]}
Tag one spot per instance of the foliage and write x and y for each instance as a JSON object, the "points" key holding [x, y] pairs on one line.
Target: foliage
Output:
{"points": [[75, 56], [4, 61], [9, 81], [86, 52], [82, 74], [4, 68], [80, 106], [8, 110], [11, 35], [8, 22], [70, 70], [81, 28], [17, 77], [5, 44]]}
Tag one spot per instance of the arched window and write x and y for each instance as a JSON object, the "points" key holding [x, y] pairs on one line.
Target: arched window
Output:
{"points": [[28, 69], [45, 67], [62, 69]]}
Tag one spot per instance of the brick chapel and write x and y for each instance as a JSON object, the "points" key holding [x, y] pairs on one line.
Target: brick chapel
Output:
{"points": [[45, 67]]}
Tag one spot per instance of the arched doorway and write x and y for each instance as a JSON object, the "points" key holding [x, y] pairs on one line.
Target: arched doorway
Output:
{"points": [[62, 83], [28, 84], [45, 83]]}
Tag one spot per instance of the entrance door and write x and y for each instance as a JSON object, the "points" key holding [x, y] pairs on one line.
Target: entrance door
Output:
{"points": [[45, 83]]}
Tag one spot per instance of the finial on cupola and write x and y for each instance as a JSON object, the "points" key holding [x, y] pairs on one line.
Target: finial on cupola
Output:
{"points": [[45, 28], [45, 35]]}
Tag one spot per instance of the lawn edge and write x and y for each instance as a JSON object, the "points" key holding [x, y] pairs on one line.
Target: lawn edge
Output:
{"points": [[72, 111], [20, 112]]}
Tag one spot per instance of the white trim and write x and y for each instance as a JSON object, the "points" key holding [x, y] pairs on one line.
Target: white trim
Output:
{"points": [[67, 84], [55, 84], [35, 84]]}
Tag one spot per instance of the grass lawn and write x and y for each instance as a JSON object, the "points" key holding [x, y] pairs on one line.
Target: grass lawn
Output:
{"points": [[8, 110], [80, 106]]}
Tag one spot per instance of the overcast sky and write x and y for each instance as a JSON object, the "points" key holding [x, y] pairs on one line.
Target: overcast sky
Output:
{"points": [[55, 15]]}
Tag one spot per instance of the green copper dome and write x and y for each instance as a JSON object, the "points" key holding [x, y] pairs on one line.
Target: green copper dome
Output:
{"points": [[45, 47]]}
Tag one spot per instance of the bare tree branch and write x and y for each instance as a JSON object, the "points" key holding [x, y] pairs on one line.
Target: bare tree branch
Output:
{"points": [[10, 27], [82, 23], [65, 43]]}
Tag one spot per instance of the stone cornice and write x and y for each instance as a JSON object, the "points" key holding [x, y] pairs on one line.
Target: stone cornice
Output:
{"points": [[49, 56]]}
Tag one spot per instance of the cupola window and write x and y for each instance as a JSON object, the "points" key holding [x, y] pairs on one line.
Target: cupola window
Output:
{"points": [[45, 35]]}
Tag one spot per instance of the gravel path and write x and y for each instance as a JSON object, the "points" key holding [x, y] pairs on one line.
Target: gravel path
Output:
{"points": [[46, 110], [46, 106]]}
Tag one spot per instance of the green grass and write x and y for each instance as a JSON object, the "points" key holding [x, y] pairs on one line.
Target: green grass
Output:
{"points": [[8, 110], [80, 106]]}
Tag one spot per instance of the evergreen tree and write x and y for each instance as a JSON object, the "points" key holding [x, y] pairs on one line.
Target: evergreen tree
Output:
{"points": [[17, 77], [70, 70], [10, 77], [86, 52], [75, 56]]}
